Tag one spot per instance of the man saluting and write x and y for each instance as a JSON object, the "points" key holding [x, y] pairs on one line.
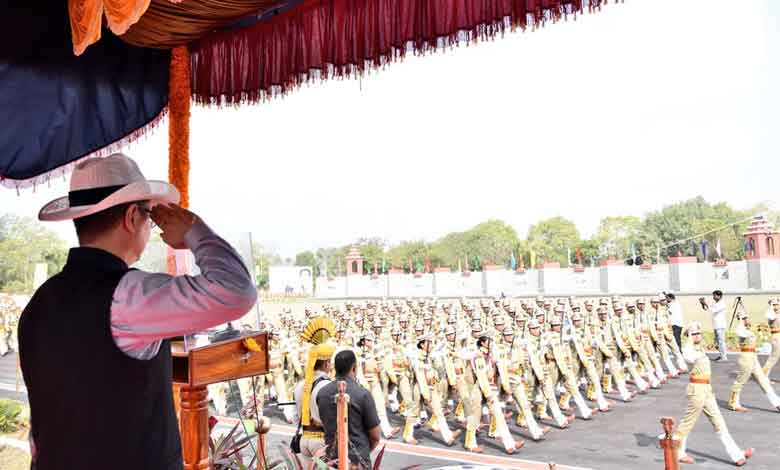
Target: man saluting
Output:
{"points": [[93, 345]]}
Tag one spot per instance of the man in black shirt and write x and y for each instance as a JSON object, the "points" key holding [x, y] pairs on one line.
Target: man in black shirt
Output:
{"points": [[364, 432]]}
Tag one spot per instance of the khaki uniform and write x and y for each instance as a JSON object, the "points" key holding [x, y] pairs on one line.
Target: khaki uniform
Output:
{"points": [[487, 380], [625, 359], [702, 399], [607, 349], [584, 364], [513, 381], [426, 391], [540, 380], [749, 366], [370, 366], [773, 319], [663, 318], [562, 357], [659, 342]]}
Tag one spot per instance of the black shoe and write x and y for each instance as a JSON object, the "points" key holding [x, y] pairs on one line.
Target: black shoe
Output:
{"points": [[719, 358]]}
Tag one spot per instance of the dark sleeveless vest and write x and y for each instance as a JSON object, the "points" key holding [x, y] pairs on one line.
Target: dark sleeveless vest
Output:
{"points": [[92, 406]]}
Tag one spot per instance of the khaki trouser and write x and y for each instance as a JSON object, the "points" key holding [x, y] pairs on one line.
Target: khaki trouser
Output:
{"points": [[669, 337], [375, 388], [282, 393], [701, 399], [774, 355], [520, 394], [548, 393], [472, 406], [594, 381], [629, 365], [749, 365], [405, 390], [620, 378], [667, 358]]}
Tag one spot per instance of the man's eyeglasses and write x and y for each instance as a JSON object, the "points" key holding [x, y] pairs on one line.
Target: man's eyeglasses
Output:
{"points": [[148, 213]]}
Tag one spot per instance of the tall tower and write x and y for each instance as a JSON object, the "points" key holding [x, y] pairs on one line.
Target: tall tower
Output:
{"points": [[354, 262], [762, 254]]}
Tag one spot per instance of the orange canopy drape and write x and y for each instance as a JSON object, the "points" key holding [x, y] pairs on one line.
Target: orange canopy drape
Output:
{"points": [[86, 19]]}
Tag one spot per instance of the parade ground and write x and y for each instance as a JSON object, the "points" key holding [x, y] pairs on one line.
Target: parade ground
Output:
{"points": [[622, 439]]}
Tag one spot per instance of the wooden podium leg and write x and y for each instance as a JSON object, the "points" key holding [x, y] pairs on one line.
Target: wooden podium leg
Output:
{"points": [[194, 427]]}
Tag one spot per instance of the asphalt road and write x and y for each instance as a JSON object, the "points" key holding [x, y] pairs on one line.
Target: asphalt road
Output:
{"points": [[625, 438]]}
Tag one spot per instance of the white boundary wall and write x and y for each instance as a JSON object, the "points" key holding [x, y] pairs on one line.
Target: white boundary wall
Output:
{"points": [[738, 276]]}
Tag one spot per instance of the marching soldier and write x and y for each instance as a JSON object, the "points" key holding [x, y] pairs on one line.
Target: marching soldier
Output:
{"points": [[370, 371], [486, 373], [639, 337], [702, 399], [426, 391], [540, 380], [622, 335], [513, 383], [773, 320], [608, 351], [584, 364], [276, 365], [749, 366], [562, 359]]}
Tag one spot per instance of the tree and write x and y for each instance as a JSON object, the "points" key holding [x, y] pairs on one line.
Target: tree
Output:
{"points": [[680, 228], [616, 235], [416, 252], [24, 243], [493, 241], [372, 250], [306, 258], [263, 258], [551, 238]]}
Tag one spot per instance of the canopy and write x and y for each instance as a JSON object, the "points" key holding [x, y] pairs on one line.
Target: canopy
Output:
{"points": [[72, 88]]}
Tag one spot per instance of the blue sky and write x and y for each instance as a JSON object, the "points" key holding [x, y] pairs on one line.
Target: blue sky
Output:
{"points": [[617, 113]]}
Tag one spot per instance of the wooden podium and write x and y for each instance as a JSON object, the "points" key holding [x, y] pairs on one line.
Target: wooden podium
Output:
{"points": [[193, 370]]}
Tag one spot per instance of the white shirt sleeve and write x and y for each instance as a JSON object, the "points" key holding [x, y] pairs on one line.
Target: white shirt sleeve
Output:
{"points": [[771, 315]]}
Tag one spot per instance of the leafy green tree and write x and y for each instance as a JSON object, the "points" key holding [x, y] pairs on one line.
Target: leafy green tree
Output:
{"points": [[670, 229], [373, 252], [307, 258], [24, 243], [615, 236], [551, 238], [410, 251]]}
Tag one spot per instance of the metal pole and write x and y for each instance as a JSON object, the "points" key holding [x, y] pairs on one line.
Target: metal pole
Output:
{"points": [[342, 425], [669, 445], [257, 304]]}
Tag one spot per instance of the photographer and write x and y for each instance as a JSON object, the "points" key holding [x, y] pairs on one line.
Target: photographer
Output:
{"points": [[676, 317], [718, 310]]}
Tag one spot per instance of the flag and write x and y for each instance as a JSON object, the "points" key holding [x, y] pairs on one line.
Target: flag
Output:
{"points": [[384, 265], [466, 263], [578, 254], [568, 256], [512, 261], [633, 252], [704, 249], [460, 268], [533, 259], [717, 248]]}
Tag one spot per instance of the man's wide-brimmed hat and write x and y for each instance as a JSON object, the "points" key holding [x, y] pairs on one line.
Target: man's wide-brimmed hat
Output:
{"points": [[100, 183]]}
